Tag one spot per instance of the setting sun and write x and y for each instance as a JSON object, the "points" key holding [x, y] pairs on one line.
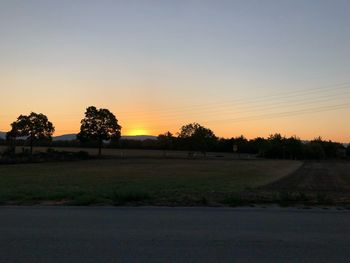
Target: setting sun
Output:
{"points": [[139, 131]]}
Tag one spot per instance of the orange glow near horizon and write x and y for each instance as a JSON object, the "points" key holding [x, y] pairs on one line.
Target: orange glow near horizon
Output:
{"points": [[238, 72], [138, 131], [306, 127], [154, 114]]}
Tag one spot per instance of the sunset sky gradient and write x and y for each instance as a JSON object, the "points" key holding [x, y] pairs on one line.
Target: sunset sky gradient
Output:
{"points": [[238, 67]]}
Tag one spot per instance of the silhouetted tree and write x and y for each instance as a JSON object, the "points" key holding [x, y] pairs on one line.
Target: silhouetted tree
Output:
{"points": [[348, 150], [333, 149], [293, 148], [314, 149], [99, 125], [241, 143], [197, 137], [278, 146], [166, 141], [259, 146], [275, 147], [329, 149], [34, 126]]}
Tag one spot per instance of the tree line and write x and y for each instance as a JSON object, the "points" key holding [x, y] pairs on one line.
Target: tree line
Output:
{"points": [[275, 146], [100, 128]]}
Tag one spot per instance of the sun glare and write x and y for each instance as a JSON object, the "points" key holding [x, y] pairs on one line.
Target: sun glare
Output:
{"points": [[137, 132]]}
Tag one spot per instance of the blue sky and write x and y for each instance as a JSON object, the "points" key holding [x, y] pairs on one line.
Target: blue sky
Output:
{"points": [[144, 59]]}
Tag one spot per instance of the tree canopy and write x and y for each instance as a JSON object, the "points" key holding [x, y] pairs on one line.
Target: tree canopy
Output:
{"points": [[166, 141], [99, 125], [197, 137], [34, 126]]}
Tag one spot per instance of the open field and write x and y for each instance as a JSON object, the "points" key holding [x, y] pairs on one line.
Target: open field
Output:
{"points": [[135, 153], [316, 176], [326, 182], [146, 177], [137, 181]]}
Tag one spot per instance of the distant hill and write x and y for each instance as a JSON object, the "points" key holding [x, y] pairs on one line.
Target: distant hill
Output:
{"points": [[139, 137], [2, 135], [65, 137]]}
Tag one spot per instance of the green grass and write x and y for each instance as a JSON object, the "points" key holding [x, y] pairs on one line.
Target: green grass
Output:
{"points": [[136, 181]]}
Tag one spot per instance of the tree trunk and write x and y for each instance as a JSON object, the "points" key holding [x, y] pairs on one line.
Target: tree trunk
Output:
{"points": [[31, 145], [100, 148], [14, 145]]}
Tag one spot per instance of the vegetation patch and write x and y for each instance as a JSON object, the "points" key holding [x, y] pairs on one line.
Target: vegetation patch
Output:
{"points": [[286, 198], [235, 199], [50, 155], [174, 182], [122, 197]]}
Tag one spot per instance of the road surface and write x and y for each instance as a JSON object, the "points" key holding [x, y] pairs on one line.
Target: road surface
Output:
{"points": [[107, 234]]}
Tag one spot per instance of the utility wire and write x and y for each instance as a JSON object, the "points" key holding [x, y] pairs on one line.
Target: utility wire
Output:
{"points": [[254, 108]]}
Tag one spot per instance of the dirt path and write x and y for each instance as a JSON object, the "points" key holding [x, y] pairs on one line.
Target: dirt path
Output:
{"points": [[314, 176]]}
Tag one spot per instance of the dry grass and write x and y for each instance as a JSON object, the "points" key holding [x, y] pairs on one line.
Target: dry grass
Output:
{"points": [[137, 181], [135, 153]]}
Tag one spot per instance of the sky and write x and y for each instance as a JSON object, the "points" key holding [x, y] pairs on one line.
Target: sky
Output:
{"points": [[238, 67]]}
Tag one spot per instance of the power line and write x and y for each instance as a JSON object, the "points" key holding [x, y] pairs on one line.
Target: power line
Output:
{"points": [[275, 115], [289, 113], [274, 96], [254, 108], [207, 107]]}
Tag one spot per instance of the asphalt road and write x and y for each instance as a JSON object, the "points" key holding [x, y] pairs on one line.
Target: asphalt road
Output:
{"points": [[106, 234]]}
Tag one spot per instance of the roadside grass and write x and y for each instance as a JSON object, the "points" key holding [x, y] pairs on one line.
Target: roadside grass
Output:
{"points": [[343, 168], [282, 198], [287, 198], [137, 181]]}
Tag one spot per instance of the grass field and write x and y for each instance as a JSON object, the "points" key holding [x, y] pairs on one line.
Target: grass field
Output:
{"points": [[314, 183], [137, 181], [134, 153]]}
